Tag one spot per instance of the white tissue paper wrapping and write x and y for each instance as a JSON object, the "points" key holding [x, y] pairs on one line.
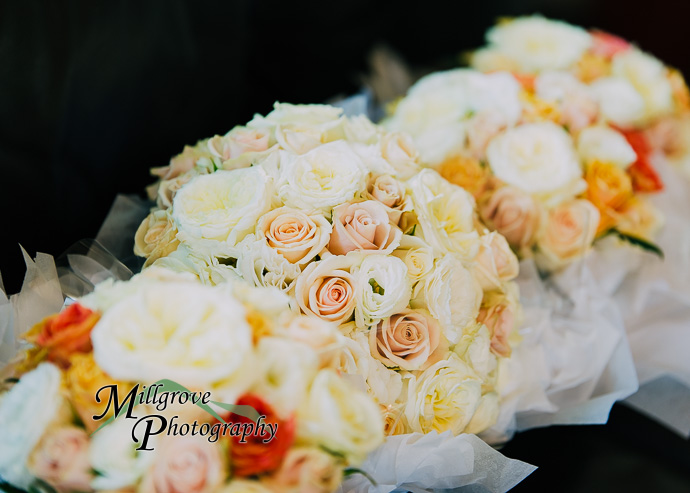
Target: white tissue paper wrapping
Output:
{"points": [[653, 296], [438, 463]]}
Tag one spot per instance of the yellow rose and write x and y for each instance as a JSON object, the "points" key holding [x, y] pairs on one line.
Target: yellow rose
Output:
{"points": [[608, 188]]}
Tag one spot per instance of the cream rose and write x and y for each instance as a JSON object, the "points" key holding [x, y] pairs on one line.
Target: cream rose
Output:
{"points": [[223, 206], [382, 289], [363, 226], [192, 334], [473, 348], [324, 177], [406, 339], [339, 418], [391, 193], [315, 115], [307, 470], [619, 101], [360, 129], [418, 257], [538, 158], [514, 214], [495, 262], [245, 486], [327, 289], [538, 44], [285, 369], [444, 397], [26, 410], [399, 150], [155, 237], [486, 414], [61, 459], [445, 213], [186, 463], [604, 144], [452, 295], [261, 265], [297, 236], [568, 233]]}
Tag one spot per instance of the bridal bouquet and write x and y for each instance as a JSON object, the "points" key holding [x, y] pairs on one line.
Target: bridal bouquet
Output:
{"points": [[550, 133], [162, 384], [337, 214]]}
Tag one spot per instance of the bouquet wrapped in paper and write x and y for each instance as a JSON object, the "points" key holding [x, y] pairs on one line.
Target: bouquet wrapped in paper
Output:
{"points": [[339, 215], [161, 384]]}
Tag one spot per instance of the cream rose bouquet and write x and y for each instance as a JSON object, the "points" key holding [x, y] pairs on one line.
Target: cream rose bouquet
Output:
{"points": [[254, 404], [550, 132], [338, 214]]}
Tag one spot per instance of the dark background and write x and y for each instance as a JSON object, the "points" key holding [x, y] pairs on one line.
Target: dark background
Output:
{"points": [[93, 94]]}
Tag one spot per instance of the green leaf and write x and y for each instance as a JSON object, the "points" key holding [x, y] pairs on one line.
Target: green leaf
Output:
{"points": [[411, 231], [636, 241], [376, 287], [349, 471]]}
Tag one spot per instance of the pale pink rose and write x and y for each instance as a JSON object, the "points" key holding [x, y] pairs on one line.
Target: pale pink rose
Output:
{"points": [[569, 232], [483, 127], [363, 226], [185, 464], [500, 320], [495, 262], [326, 289], [62, 459], [406, 339], [391, 193], [237, 142], [398, 149], [297, 236], [307, 470], [179, 164], [512, 213]]}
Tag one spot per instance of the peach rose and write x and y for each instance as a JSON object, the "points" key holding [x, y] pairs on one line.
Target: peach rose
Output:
{"points": [[363, 226], [307, 470], [500, 320], [185, 464], [608, 188], [180, 164], [391, 193], [495, 262], [237, 142], [61, 459], [317, 334], [155, 237], [165, 191], [465, 172], [297, 236], [406, 339], [64, 334], [569, 231], [512, 213], [326, 289]]}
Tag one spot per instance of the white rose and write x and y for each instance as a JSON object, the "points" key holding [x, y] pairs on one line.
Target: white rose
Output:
{"points": [[261, 265], [452, 295], [649, 77], [285, 369], [619, 101], [195, 335], [444, 397], [303, 114], [538, 158], [113, 455], [486, 414], [384, 384], [360, 129], [210, 270], [324, 177], [496, 263], [538, 44], [474, 348], [604, 144], [382, 289], [445, 213], [223, 206], [327, 418], [26, 410]]}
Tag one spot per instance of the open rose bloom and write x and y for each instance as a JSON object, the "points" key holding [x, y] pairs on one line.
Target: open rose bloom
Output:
{"points": [[340, 216], [240, 344], [551, 115]]}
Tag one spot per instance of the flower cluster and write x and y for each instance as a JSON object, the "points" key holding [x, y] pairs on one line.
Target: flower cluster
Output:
{"points": [[239, 345], [552, 132], [339, 215]]}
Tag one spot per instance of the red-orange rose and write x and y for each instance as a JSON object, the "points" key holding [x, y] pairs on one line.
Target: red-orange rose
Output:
{"points": [[64, 334], [256, 457]]}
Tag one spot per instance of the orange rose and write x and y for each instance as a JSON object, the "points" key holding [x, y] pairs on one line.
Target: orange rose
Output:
{"points": [[84, 378], [64, 334], [608, 188], [254, 456], [465, 172]]}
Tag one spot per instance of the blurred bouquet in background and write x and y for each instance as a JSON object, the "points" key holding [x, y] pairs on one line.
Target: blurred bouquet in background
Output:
{"points": [[302, 423]]}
